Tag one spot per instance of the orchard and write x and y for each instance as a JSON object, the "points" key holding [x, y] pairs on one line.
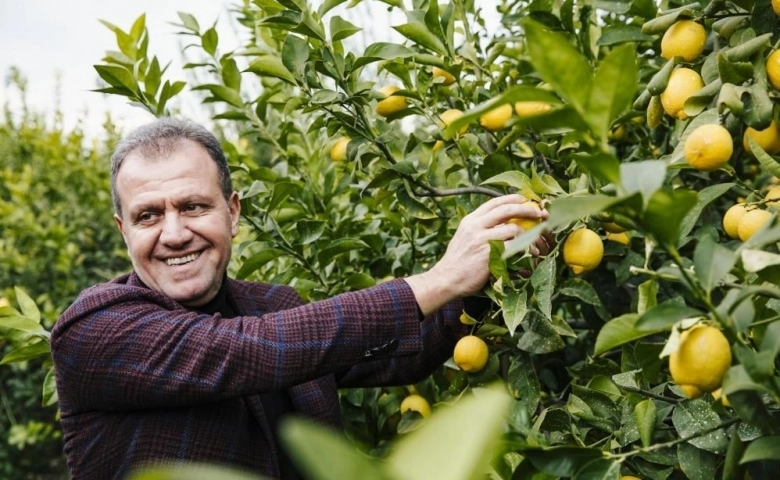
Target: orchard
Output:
{"points": [[644, 344]]}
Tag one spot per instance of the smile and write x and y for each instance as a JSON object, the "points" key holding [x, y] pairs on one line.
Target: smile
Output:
{"points": [[182, 260]]}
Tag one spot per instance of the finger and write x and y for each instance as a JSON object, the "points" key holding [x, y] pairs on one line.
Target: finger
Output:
{"points": [[505, 212], [497, 202]]}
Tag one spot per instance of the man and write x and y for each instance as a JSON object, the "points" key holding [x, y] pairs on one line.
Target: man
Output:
{"points": [[177, 362]]}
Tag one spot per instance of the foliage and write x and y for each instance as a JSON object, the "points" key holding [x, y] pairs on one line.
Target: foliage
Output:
{"points": [[55, 239], [583, 356]]}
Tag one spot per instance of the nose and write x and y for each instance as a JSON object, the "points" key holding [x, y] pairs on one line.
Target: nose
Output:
{"points": [[175, 232]]}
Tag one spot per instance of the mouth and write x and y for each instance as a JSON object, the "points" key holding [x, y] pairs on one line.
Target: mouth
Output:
{"points": [[182, 260]]}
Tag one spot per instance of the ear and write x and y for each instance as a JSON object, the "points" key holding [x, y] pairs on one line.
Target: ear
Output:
{"points": [[234, 205], [118, 221]]}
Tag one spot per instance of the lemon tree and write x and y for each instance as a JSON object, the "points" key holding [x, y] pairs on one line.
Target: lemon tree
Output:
{"points": [[587, 353]]}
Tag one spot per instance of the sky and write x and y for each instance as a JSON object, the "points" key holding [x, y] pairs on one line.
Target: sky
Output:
{"points": [[55, 44]]}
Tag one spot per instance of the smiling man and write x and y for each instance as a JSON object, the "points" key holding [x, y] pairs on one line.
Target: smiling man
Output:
{"points": [[177, 362]]}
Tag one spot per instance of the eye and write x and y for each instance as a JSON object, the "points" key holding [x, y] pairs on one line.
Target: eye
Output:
{"points": [[146, 217], [193, 207]]}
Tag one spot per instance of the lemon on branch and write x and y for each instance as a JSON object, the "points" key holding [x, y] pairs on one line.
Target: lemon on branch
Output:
{"points": [[528, 223], [700, 361], [683, 83], [416, 403], [583, 250], [447, 77], [450, 116], [731, 219], [773, 69], [708, 147], [751, 222], [772, 197], [470, 354], [685, 39], [496, 119], [531, 108], [768, 139], [391, 103], [338, 151]]}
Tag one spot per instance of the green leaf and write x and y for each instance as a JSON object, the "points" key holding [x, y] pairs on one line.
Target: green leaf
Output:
{"points": [[440, 450], [382, 51], [706, 196], [768, 163], [523, 383], [696, 464], [339, 247], [514, 309], [608, 96], [764, 448], [644, 177], [561, 461], [619, 331], [27, 352], [27, 305], [665, 213], [327, 6], [418, 32], [309, 231], [662, 317], [602, 165], [191, 471], [583, 291], [559, 64], [256, 261], [189, 22], [540, 336], [118, 77], [712, 262], [209, 40], [691, 417], [648, 297], [543, 282], [414, 207], [732, 470], [646, 418], [49, 393], [599, 469], [282, 191], [295, 53], [153, 78], [341, 29], [270, 66], [20, 324]]}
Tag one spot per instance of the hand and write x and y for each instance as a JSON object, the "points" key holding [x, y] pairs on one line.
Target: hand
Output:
{"points": [[463, 270]]}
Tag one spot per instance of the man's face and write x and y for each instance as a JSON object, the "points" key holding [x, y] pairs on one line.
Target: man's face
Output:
{"points": [[176, 223]]}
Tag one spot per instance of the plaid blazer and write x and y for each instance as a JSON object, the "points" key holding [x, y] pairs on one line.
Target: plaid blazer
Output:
{"points": [[141, 379]]}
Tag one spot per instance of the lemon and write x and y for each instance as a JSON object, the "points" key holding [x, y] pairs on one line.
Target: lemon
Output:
{"points": [[447, 77], [708, 147], [629, 477], [683, 82], [685, 39], [416, 403], [773, 69], [768, 139], [583, 250], [700, 361], [776, 6], [470, 354], [619, 238], [527, 223], [338, 151], [731, 219], [437, 146], [531, 108], [612, 227], [450, 116], [496, 119], [773, 194], [392, 103], [4, 302], [617, 133], [750, 223]]}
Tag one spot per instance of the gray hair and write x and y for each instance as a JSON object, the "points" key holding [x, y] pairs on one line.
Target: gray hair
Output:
{"points": [[159, 139]]}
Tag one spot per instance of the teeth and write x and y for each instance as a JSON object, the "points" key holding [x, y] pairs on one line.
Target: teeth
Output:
{"points": [[182, 260]]}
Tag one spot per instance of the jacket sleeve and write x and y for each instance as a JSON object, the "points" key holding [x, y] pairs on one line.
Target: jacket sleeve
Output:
{"points": [[121, 347], [440, 332]]}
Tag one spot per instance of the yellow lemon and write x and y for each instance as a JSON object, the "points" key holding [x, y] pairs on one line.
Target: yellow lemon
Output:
{"points": [[773, 69], [685, 39], [531, 108], [683, 82], [773, 194], [619, 238], [629, 477], [450, 116], [437, 146], [612, 227], [392, 103], [583, 250], [416, 403], [496, 119], [4, 302], [617, 133], [338, 151], [703, 356], [731, 219], [447, 77], [776, 6], [470, 354], [750, 222], [528, 223], [768, 139], [708, 147], [719, 397]]}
